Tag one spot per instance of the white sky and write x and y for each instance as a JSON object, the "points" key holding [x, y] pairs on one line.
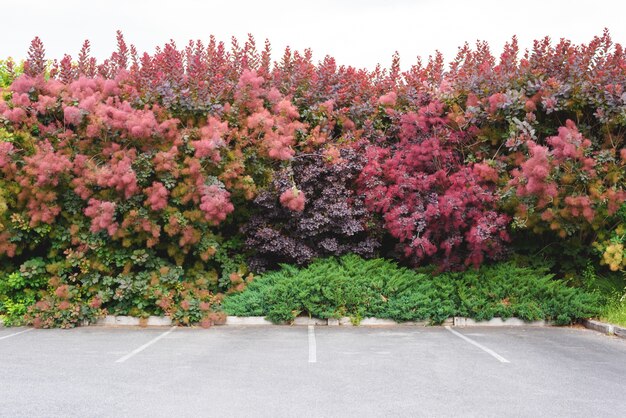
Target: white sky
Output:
{"points": [[359, 33]]}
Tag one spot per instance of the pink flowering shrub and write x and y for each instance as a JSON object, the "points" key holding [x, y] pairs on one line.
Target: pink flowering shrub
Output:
{"points": [[566, 186], [437, 208]]}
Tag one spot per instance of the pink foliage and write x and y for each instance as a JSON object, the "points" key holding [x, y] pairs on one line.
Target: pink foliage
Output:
{"points": [[496, 102], [215, 203], [436, 207], [16, 115], [6, 151], [533, 177], [542, 176], [293, 199], [157, 196], [45, 167], [119, 175], [211, 139], [388, 99], [249, 89], [569, 143], [102, 215], [72, 115], [165, 162], [279, 146]]}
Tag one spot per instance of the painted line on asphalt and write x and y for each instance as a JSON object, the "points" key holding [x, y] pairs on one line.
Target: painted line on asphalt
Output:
{"points": [[312, 345], [17, 333], [143, 347], [482, 347]]}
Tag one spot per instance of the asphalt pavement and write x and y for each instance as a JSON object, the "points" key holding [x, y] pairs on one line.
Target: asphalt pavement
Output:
{"points": [[311, 372]]}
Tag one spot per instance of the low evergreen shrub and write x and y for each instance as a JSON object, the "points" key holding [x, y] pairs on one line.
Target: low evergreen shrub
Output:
{"points": [[357, 288]]}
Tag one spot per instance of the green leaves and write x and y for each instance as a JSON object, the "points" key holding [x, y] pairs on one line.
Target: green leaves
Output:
{"points": [[357, 288]]}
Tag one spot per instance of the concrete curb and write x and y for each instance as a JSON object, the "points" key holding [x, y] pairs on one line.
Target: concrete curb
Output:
{"points": [[130, 321], [457, 321], [247, 320], [499, 322], [381, 322], [156, 321], [305, 320], [608, 329]]}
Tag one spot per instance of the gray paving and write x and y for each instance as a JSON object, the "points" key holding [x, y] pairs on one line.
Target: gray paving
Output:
{"points": [[266, 372]]}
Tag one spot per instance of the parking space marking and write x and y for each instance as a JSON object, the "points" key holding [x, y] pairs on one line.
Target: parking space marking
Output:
{"points": [[482, 347], [143, 347], [312, 345], [17, 333]]}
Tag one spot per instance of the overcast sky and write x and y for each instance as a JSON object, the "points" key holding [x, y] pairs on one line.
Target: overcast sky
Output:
{"points": [[356, 32]]}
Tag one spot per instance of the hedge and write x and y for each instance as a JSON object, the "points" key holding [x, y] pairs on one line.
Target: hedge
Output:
{"points": [[156, 183]]}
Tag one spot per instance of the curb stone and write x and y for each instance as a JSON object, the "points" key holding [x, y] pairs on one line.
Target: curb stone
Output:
{"points": [[305, 320], [498, 322], [345, 321], [247, 320], [156, 321], [129, 321], [608, 329]]}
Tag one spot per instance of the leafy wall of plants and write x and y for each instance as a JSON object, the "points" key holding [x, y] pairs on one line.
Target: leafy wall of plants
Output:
{"points": [[156, 183]]}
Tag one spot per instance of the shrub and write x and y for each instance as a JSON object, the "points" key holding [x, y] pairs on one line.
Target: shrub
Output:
{"points": [[358, 288], [333, 221], [507, 290], [438, 207], [333, 288], [184, 158], [63, 309], [20, 289]]}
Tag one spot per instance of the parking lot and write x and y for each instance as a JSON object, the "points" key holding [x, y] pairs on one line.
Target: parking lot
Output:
{"points": [[311, 372]]}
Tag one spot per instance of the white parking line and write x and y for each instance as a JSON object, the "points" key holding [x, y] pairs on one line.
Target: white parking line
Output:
{"points": [[17, 333], [482, 347], [312, 345], [143, 347]]}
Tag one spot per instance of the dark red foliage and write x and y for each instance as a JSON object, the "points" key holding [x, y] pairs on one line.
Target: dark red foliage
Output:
{"points": [[439, 208], [333, 221]]}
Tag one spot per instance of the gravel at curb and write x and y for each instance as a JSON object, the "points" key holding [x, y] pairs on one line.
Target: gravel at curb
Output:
{"points": [[608, 329]]}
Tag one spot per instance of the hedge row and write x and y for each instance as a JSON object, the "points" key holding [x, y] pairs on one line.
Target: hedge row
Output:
{"points": [[156, 183], [352, 287]]}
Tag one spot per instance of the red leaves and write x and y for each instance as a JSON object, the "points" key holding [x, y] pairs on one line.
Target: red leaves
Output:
{"points": [[35, 64], [435, 206]]}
